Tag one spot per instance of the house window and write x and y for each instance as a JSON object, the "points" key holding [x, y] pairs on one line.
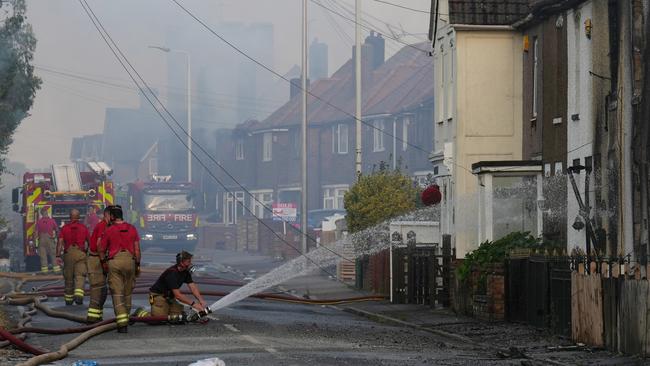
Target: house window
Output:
{"points": [[448, 83], [297, 142], [239, 149], [405, 132], [535, 74], [333, 197], [340, 139], [424, 179], [267, 146], [261, 203], [438, 110], [233, 207], [153, 166], [378, 136]]}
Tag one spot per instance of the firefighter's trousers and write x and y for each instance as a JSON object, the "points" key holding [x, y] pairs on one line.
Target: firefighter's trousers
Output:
{"points": [[47, 252], [162, 306], [74, 274], [121, 279], [98, 289]]}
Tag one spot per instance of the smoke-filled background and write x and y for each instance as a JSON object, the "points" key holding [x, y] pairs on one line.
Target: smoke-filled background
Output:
{"points": [[81, 78]]}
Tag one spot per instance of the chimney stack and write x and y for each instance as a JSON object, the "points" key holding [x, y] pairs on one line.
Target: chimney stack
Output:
{"points": [[294, 87]]}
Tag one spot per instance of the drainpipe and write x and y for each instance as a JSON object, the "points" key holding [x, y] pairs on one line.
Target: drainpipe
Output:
{"points": [[394, 143], [391, 270]]}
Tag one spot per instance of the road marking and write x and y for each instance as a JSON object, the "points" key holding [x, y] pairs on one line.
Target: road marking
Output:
{"points": [[231, 328], [252, 339], [256, 341], [213, 318]]}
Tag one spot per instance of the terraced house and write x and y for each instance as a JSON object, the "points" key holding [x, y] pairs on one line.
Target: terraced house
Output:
{"points": [[397, 110]]}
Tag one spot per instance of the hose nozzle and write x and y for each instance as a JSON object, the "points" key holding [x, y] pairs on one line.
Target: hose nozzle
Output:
{"points": [[197, 315]]}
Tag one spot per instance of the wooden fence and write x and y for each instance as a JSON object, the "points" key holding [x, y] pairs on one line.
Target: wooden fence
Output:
{"points": [[611, 307]]}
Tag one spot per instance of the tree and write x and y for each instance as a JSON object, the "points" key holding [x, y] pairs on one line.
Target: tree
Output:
{"points": [[18, 84], [378, 197]]}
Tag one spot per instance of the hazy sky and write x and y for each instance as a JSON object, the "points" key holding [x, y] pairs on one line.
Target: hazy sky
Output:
{"points": [[66, 107]]}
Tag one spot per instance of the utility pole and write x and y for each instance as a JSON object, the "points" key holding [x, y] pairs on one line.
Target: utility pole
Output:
{"points": [[189, 104], [303, 200], [189, 118], [357, 72]]}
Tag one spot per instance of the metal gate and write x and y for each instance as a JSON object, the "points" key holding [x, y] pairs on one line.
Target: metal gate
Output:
{"points": [[560, 300], [538, 292]]}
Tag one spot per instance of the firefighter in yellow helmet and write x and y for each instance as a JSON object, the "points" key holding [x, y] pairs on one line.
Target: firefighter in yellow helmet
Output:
{"points": [[73, 239], [119, 253]]}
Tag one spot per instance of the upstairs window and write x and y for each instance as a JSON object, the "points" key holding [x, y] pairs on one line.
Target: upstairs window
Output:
{"points": [[340, 139], [378, 136], [267, 146], [405, 132], [239, 149]]}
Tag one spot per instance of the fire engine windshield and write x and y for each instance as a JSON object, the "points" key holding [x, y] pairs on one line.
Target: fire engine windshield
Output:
{"points": [[168, 202]]}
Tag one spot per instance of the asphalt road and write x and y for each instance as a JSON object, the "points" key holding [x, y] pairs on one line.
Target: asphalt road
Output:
{"points": [[255, 332]]}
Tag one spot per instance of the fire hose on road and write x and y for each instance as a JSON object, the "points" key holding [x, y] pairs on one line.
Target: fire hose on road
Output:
{"points": [[40, 294]]}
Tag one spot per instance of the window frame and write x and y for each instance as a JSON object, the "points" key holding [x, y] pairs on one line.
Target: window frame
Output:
{"points": [[378, 135], [267, 146], [239, 149], [261, 198], [406, 122], [334, 194]]}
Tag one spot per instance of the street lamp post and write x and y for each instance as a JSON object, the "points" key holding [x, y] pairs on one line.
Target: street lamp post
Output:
{"points": [[189, 105]]}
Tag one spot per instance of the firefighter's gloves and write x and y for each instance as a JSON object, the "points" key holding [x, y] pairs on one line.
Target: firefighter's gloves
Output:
{"points": [[59, 261], [199, 315]]}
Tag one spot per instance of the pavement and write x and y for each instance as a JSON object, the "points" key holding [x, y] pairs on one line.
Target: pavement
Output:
{"points": [[256, 332]]}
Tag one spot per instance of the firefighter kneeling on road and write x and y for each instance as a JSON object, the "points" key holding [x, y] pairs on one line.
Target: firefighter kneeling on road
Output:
{"points": [[96, 275], [165, 294], [72, 245], [119, 253]]}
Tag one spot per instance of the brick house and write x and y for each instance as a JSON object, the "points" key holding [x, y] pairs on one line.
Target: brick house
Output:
{"points": [[264, 156]]}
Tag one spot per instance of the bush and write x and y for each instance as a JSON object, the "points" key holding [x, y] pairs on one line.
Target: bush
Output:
{"points": [[378, 197], [492, 252]]}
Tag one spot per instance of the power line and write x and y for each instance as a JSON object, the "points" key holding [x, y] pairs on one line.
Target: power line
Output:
{"points": [[389, 27], [267, 68], [348, 9], [366, 27], [104, 34], [403, 7], [96, 79], [224, 104]]}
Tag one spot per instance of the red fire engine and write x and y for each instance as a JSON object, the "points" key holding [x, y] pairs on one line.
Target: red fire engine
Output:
{"points": [[164, 213], [59, 191]]}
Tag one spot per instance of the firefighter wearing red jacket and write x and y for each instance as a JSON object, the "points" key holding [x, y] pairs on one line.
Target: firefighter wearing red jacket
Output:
{"points": [[119, 252], [72, 245], [96, 275]]}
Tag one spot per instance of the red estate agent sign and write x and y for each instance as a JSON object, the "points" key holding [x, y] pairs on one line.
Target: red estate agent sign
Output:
{"points": [[285, 212]]}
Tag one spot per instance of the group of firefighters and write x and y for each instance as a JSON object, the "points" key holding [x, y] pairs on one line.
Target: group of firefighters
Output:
{"points": [[111, 254]]}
